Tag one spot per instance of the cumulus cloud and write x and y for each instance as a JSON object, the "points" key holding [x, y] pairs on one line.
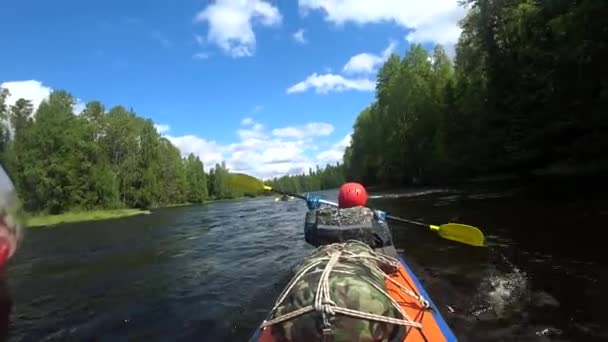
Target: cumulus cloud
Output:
{"points": [[254, 131], [336, 152], [267, 157], [364, 64], [209, 152], [231, 23], [368, 62], [162, 129], [430, 21], [31, 90], [36, 92], [79, 106], [298, 36], [309, 130], [265, 153], [247, 121], [326, 83]]}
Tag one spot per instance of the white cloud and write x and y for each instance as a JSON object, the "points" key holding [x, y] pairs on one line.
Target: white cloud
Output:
{"points": [[79, 106], [443, 29], [335, 153], [298, 36], [255, 130], [368, 62], [162, 129], [432, 20], [31, 90], [326, 83], [268, 157], [308, 130], [36, 92], [247, 122], [209, 152], [231, 23], [200, 56], [262, 153]]}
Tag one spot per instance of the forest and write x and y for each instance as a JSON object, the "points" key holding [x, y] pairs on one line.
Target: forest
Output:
{"points": [[63, 161], [330, 177], [98, 159], [526, 90]]}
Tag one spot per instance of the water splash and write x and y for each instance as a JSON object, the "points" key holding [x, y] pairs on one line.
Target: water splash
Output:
{"points": [[501, 294]]}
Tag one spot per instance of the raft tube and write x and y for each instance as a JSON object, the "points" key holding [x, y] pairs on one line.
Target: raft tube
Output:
{"points": [[434, 328]]}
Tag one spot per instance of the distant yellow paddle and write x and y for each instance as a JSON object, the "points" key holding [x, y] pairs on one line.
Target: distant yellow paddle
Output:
{"points": [[451, 231], [248, 184]]}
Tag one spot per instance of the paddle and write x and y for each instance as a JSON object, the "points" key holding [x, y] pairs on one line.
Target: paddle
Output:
{"points": [[246, 183], [451, 231]]}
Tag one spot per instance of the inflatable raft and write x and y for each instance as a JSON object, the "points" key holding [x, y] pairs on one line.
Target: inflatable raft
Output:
{"points": [[392, 305]]}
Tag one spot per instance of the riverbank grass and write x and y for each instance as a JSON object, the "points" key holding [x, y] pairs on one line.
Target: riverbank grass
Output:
{"points": [[69, 217]]}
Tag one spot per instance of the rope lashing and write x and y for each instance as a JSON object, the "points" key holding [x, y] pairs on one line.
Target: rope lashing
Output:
{"points": [[323, 302]]}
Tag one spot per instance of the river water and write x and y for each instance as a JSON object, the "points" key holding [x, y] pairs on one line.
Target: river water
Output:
{"points": [[211, 272]]}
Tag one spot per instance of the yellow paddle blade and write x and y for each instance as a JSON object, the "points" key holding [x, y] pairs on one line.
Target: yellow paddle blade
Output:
{"points": [[461, 232], [241, 182]]}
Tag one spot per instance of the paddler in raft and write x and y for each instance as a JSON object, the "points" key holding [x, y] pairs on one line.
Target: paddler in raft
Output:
{"points": [[352, 220]]}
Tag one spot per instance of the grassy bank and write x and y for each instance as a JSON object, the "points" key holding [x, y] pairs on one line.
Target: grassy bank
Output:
{"points": [[95, 215], [175, 205]]}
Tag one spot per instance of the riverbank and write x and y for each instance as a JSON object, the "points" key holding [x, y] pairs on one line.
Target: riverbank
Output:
{"points": [[35, 221], [175, 205], [70, 217]]}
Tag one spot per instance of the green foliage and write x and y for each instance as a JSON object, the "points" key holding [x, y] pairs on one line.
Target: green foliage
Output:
{"points": [[99, 159], [218, 186], [527, 89], [332, 176]]}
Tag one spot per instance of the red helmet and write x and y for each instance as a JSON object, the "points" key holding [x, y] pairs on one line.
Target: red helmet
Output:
{"points": [[352, 195]]}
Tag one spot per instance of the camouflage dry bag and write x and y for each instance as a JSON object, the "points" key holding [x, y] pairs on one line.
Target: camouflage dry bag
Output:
{"points": [[338, 294]]}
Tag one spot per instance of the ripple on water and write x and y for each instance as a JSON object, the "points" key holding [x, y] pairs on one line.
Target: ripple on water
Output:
{"points": [[213, 272]]}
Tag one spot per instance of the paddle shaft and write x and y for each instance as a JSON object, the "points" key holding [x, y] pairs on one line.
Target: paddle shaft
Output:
{"points": [[336, 205]]}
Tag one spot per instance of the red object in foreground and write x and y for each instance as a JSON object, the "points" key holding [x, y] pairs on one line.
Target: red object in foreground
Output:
{"points": [[5, 250], [352, 195]]}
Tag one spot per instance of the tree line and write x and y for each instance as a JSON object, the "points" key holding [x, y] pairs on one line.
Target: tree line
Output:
{"points": [[527, 89], [329, 177], [97, 159]]}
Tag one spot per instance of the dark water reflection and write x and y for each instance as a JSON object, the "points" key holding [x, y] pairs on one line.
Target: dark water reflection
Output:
{"points": [[211, 272]]}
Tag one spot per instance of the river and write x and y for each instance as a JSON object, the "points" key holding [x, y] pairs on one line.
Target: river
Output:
{"points": [[212, 272]]}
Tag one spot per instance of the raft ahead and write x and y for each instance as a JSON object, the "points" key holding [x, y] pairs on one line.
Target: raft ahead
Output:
{"points": [[353, 287]]}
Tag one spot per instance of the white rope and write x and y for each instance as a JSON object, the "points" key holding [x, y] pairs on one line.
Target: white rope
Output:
{"points": [[425, 303], [323, 302]]}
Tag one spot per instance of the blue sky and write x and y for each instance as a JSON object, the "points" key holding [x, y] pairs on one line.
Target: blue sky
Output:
{"points": [[268, 86]]}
